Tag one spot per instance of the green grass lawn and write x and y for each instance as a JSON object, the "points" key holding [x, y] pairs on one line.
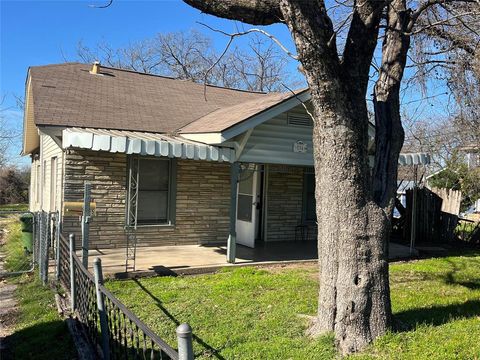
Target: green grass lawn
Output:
{"points": [[252, 313], [12, 246], [40, 333], [14, 207]]}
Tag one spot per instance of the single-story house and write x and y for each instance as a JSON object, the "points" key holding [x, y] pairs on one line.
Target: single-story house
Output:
{"points": [[169, 161]]}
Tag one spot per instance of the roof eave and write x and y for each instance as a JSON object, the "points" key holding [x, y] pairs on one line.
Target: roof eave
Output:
{"points": [[31, 138]]}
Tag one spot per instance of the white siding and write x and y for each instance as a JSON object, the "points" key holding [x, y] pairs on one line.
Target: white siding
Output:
{"points": [[48, 151], [272, 142], [35, 185]]}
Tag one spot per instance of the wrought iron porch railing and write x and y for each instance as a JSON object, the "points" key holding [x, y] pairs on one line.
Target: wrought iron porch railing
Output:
{"points": [[123, 335]]}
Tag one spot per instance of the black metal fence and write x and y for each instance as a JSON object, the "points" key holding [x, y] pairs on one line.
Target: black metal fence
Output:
{"points": [[62, 271], [85, 300], [45, 241], [109, 325], [130, 338]]}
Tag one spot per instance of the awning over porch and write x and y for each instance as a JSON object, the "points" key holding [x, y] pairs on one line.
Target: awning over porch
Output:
{"points": [[414, 159], [144, 143]]}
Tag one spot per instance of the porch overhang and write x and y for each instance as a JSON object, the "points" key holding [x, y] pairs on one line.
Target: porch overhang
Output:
{"points": [[414, 159], [144, 143]]}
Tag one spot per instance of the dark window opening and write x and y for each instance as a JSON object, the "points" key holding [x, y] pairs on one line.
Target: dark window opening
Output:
{"points": [[309, 203]]}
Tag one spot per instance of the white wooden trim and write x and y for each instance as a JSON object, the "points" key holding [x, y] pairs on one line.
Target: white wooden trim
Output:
{"points": [[242, 144], [207, 138]]}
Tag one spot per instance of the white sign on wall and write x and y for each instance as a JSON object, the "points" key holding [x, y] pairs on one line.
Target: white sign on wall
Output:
{"points": [[299, 147]]}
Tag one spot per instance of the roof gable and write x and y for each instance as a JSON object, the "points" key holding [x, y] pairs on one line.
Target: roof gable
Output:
{"points": [[225, 118]]}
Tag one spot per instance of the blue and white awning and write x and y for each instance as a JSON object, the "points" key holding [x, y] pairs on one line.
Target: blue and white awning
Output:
{"points": [[143, 143], [414, 159]]}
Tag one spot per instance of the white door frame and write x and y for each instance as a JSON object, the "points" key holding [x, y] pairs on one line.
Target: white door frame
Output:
{"points": [[248, 193]]}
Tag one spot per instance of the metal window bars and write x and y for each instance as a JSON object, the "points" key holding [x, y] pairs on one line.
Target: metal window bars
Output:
{"points": [[132, 212]]}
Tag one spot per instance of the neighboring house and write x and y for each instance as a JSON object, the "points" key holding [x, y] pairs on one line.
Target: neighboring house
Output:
{"points": [[472, 155], [164, 157]]}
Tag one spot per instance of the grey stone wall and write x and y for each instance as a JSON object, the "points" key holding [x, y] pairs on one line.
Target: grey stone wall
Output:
{"points": [[202, 206]]}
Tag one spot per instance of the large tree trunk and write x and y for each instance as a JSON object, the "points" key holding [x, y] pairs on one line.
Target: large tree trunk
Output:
{"points": [[389, 134], [353, 215], [354, 296]]}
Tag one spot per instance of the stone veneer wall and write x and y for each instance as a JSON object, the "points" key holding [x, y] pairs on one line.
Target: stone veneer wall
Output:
{"points": [[202, 208], [284, 203]]}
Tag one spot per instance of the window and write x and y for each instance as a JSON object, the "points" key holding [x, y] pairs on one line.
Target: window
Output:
{"points": [[44, 181], [53, 183], [245, 197], [309, 203], [38, 186], [151, 191]]}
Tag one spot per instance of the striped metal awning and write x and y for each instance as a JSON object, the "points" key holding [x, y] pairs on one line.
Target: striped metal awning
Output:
{"points": [[414, 159], [143, 143]]}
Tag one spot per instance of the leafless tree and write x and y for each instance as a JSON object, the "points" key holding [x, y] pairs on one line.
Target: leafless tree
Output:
{"points": [[261, 68], [191, 55], [8, 134], [447, 53], [354, 205]]}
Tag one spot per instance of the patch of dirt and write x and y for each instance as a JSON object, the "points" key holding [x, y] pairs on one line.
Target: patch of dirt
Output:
{"points": [[276, 268], [8, 303], [8, 315]]}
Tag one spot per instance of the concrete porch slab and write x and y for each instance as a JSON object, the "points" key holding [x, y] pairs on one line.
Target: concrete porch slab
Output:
{"points": [[198, 258]]}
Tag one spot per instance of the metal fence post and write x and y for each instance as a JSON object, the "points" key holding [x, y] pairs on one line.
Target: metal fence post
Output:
{"points": [[185, 346], [40, 246], [97, 272], [57, 247], [46, 247], [35, 237], [86, 223], [71, 239]]}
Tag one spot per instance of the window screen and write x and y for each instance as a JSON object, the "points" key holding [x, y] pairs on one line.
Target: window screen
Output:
{"points": [[245, 196], [153, 190], [39, 185], [244, 208], [53, 183]]}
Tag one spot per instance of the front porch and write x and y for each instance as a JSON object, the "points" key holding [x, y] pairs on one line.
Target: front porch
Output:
{"points": [[191, 259]]}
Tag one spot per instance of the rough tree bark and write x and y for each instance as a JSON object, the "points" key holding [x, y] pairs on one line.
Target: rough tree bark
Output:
{"points": [[354, 298], [353, 216]]}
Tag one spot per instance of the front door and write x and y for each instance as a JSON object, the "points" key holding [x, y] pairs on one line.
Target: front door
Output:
{"points": [[248, 207]]}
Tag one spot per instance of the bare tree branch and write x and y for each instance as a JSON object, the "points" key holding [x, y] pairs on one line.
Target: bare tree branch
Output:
{"points": [[249, 31], [110, 2], [307, 110], [443, 22], [265, 12]]}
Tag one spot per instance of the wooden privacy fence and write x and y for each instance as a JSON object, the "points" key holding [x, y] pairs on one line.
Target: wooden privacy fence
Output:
{"points": [[109, 325], [436, 214]]}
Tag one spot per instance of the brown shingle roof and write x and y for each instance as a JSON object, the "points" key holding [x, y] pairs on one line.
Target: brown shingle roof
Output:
{"points": [[68, 95], [224, 118]]}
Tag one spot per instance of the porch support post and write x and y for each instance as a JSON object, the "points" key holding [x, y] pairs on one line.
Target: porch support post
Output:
{"points": [[232, 238], [86, 223]]}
